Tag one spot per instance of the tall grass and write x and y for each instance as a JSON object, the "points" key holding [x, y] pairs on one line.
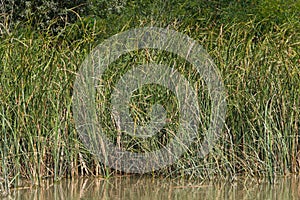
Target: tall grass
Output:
{"points": [[38, 138], [261, 72], [259, 62]]}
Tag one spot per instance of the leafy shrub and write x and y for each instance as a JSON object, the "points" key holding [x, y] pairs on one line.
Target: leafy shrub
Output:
{"points": [[41, 13], [54, 14]]}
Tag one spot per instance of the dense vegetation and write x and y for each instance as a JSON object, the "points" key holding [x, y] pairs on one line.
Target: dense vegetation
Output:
{"points": [[255, 44]]}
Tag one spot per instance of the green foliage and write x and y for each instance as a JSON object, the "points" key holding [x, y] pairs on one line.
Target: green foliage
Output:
{"points": [[42, 13], [254, 44], [103, 8], [55, 14], [280, 10]]}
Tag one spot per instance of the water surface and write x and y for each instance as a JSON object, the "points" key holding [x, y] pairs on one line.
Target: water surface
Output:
{"points": [[136, 188]]}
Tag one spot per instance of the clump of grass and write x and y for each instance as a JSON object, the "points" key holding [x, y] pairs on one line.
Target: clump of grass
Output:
{"points": [[260, 68], [37, 135], [259, 63]]}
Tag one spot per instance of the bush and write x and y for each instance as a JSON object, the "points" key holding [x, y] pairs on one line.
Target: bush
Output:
{"points": [[41, 14], [54, 14]]}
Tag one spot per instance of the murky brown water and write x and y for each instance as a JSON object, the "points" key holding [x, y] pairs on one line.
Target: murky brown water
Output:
{"points": [[148, 188]]}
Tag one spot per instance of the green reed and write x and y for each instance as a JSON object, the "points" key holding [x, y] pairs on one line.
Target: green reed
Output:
{"points": [[259, 63]]}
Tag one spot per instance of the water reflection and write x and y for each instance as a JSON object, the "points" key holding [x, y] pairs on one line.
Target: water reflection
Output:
{"points": [[148, 188]]}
